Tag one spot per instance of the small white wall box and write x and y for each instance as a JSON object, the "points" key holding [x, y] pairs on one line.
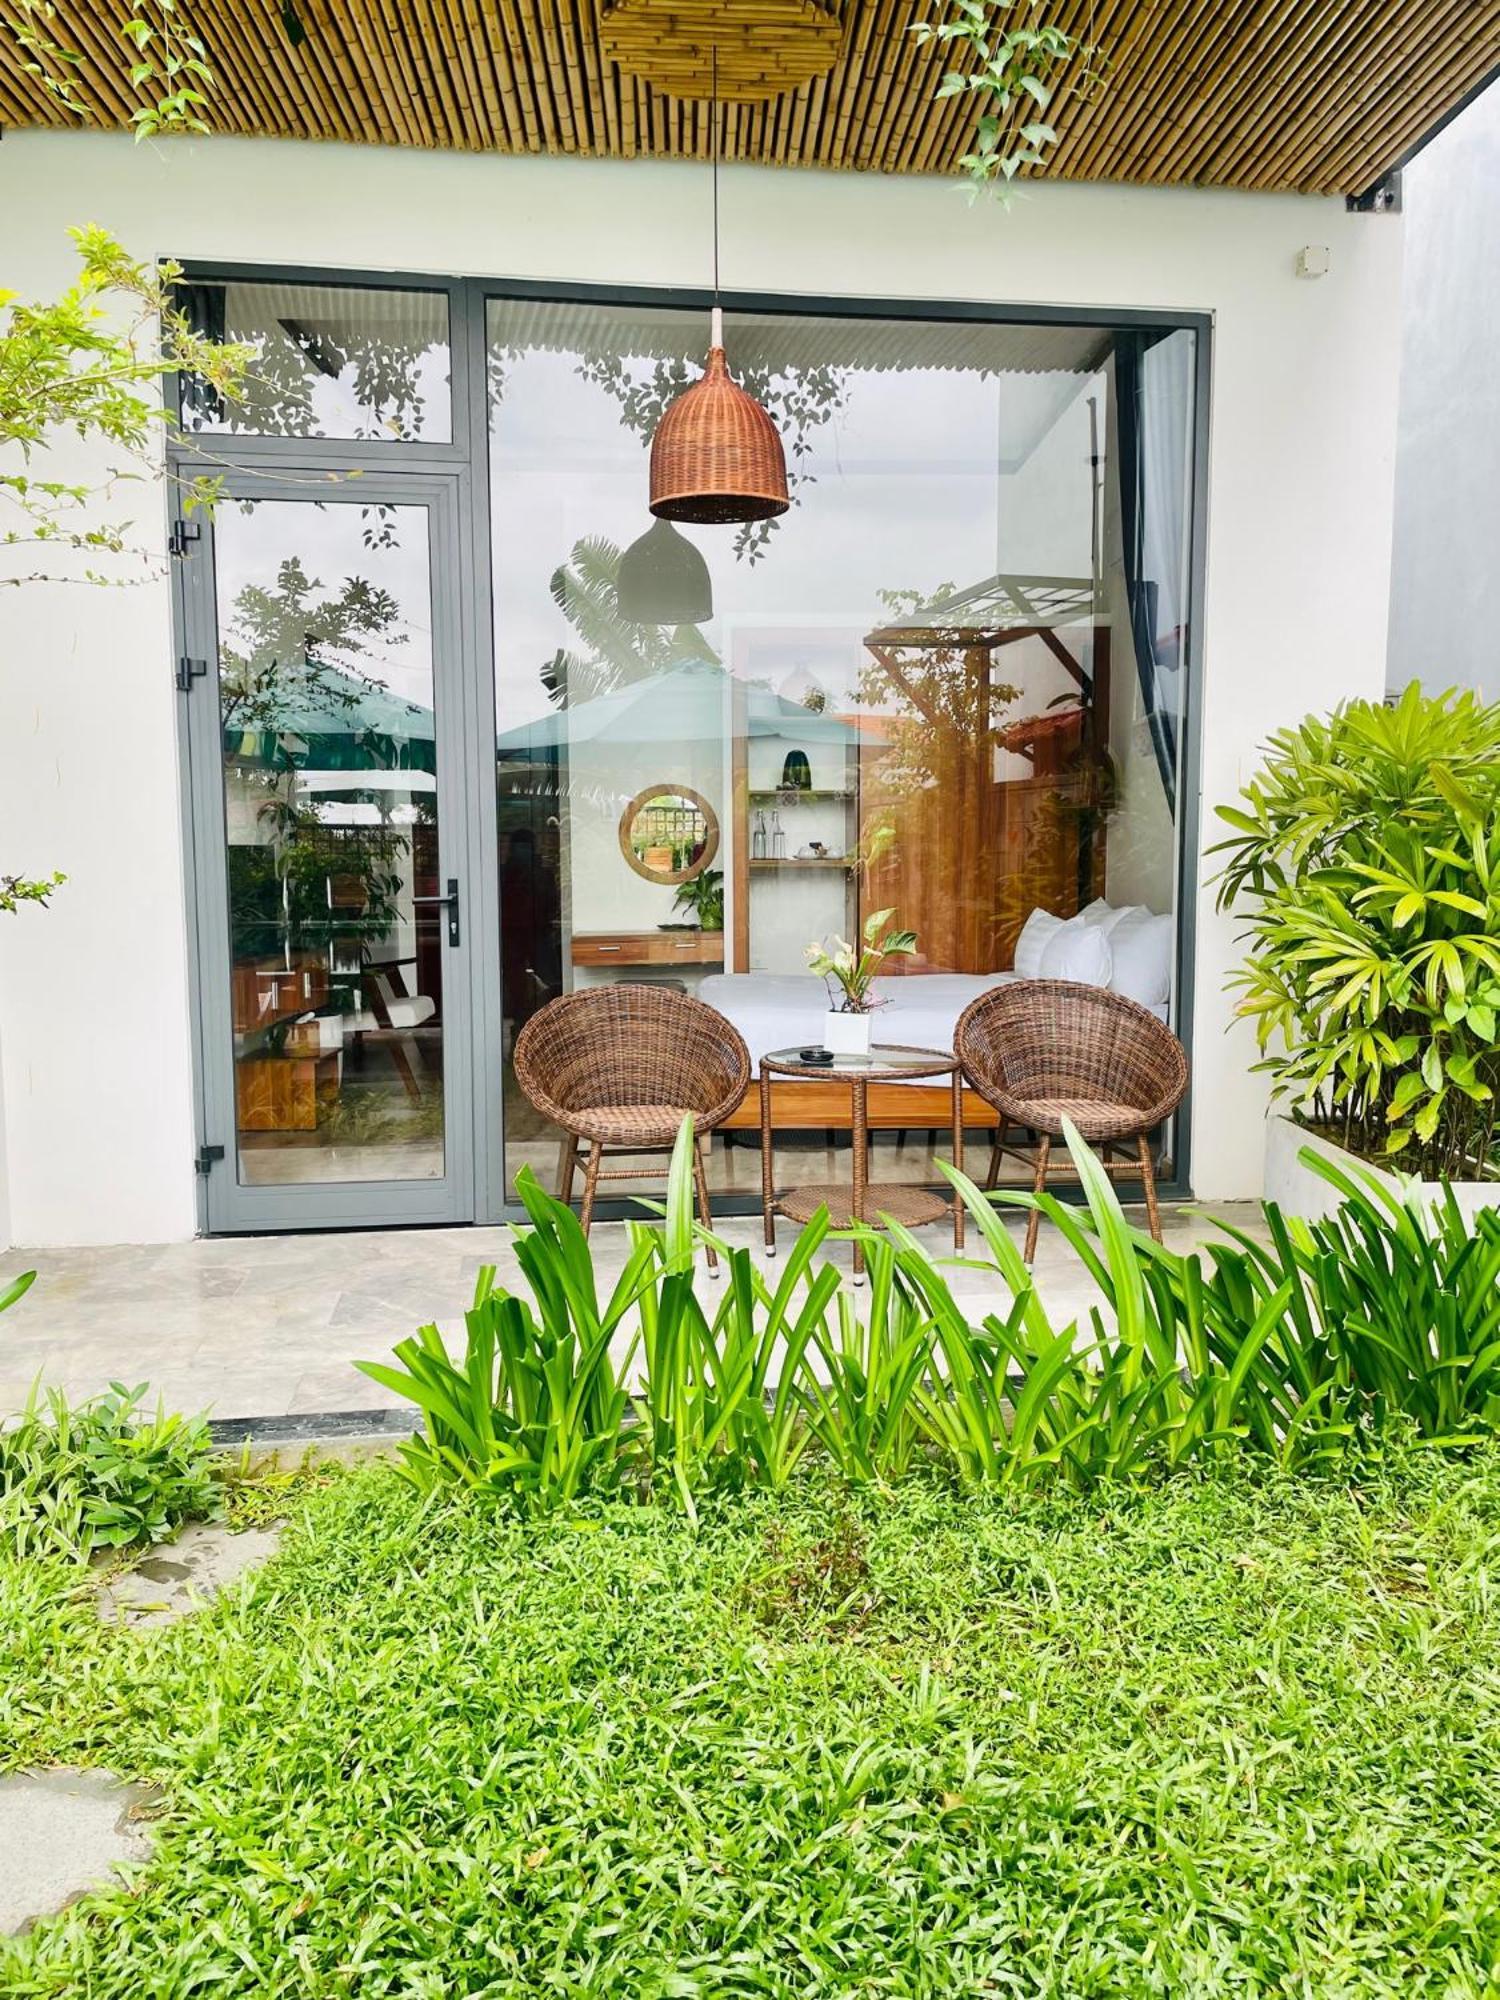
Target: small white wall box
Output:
{"points": [[1312, 260]]}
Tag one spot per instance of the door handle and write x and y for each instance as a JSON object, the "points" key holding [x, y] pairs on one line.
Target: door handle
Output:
{"points": [[448, 903]]}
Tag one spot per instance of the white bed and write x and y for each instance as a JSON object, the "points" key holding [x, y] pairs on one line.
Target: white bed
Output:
{"points": [[784, 1010], [1128, 950]]}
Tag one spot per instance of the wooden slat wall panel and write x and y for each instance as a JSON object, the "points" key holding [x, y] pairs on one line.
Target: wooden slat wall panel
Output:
{"points": [[1320, 96]]}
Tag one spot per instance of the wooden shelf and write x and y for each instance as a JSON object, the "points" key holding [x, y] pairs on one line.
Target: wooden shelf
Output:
{"points": [[795, 795], [792, 861]]}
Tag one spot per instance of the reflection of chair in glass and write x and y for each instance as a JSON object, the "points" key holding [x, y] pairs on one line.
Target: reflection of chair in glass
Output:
{"points": [[621, 1066], [1041, 1050], [400, 1019]]}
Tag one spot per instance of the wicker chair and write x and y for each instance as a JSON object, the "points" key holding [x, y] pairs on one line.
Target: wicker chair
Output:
{"points": [[1041, 1050], [621, 1067]]}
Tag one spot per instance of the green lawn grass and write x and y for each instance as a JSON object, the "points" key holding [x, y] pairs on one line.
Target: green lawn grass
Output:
{"points": [[1232, 1735]]}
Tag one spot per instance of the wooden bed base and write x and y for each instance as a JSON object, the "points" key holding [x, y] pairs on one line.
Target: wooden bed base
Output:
{"points": [[822, 1107]]}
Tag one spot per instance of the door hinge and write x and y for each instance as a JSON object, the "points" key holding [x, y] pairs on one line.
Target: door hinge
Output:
{"points": [[181, 534], [189, 671], [206, 1157]]}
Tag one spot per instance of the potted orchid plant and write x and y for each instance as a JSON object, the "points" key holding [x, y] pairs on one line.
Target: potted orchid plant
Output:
{"points": [[849, 975]]}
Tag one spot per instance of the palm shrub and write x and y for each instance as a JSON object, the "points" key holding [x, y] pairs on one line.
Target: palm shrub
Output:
{"points": [[1364, 860]]}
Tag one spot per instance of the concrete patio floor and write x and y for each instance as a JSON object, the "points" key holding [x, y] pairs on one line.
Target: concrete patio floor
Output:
{"points": [[268, 1326]]}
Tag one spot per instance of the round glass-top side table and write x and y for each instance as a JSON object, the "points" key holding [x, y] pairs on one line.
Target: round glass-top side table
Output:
{"points": [[859, 1201]]}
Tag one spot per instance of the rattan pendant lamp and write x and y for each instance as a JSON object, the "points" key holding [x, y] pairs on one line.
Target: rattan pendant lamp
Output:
{"points": [[716, 455]]}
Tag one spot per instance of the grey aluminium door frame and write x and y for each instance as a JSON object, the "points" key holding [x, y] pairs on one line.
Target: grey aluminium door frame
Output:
{"points": [[229, 1204]]}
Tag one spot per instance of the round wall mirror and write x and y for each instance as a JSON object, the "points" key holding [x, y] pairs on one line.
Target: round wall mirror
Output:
{"points": [[669, 833]]}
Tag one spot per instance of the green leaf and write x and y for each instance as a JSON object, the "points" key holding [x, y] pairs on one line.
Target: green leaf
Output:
{"points": [[16, 1289]]}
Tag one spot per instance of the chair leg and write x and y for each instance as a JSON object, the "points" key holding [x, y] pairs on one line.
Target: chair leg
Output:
{"points": [[591, 1183], [407, 1074], [1148, 1180], [700, 1175], [992, 1173], [567, 1163], [1034, 1220]]}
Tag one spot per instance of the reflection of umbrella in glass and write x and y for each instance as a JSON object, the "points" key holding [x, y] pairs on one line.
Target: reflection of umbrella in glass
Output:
{"points": [[336, 722], [685, 704]]}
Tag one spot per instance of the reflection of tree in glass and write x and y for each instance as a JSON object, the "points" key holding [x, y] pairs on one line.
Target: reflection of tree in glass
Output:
{"points": [[975, 851], [294, 652], [294, 672], [798, 400], [937, 688], [333, 885], [378, 527], [379, 367], [615, 651]]}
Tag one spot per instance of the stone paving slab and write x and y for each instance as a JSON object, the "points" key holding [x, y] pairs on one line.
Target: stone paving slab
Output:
{"points": [[176, 1578], [62, 1833]]}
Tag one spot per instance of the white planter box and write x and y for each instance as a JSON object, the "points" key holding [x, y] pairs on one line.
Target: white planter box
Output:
{"points": [[1297, 1190], [847, 1034]]}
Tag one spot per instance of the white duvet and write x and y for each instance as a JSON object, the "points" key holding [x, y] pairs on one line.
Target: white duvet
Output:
{"points": [[780, 1010]]}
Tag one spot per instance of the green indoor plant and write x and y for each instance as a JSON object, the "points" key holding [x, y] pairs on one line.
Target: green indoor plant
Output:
{"points": [[703, 898], [1364, 860]]}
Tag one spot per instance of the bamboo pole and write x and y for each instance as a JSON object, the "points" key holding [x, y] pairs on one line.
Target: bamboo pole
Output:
{"points": [[525, 88]]}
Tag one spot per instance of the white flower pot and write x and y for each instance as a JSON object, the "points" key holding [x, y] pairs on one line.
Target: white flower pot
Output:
{"points": [[846, 1034], [1297, 1190]]}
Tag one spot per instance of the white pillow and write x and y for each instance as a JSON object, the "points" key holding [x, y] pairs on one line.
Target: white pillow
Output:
{"points": [[1077, 950], [1141, 947], [1036, 930], [1106, 915]]}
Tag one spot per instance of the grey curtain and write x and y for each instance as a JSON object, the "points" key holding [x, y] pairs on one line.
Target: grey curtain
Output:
{"points": [[1154, 377]]}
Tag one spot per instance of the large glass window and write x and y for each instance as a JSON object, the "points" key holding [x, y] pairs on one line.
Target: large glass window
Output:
{"points": [[948, 682]]}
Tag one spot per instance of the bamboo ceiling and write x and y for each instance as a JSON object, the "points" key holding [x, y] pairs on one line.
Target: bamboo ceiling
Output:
{"points": [[1322, 96]]}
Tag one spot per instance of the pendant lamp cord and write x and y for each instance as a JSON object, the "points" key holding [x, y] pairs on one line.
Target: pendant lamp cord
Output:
{"points": [[713, 58]]}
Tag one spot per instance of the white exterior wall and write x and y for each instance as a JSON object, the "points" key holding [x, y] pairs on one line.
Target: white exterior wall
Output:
{"points": [[1445, 587], [94, 997]]}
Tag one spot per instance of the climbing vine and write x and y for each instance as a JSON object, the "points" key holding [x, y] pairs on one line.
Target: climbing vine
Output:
{"points": [[168, 63], [1013, 72]]}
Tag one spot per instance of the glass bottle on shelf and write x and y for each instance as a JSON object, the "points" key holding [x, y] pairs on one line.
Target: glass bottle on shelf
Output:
{"points": [[758, 838], [778, 838]]}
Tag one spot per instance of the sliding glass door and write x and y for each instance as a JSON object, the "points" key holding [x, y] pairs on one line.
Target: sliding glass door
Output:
{"points": [[946, 685], [330, 811]]}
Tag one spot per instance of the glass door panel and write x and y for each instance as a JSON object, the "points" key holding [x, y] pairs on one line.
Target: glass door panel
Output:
{"points": [[335, 922], [945, 684]]}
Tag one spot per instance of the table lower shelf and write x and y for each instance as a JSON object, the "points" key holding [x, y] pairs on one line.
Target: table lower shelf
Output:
{"points": [[902, 1201]]}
